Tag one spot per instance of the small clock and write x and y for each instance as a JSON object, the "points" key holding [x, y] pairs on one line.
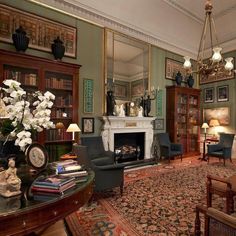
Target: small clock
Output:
{"points": [[37, 156]]}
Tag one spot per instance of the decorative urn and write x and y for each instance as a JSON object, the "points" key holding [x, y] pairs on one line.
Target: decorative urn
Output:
{"points": [[58, 49], [190, 81], [178, 78], [20, 40]]}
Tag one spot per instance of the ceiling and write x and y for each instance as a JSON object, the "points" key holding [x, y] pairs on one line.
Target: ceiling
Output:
{"points": [[175, 25]]}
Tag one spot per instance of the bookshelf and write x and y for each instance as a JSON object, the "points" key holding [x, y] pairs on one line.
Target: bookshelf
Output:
{"points": [[183, 119], [60, 78]]}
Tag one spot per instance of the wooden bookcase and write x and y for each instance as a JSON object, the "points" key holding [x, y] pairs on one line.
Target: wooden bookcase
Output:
{"points": [[61, 79], [183, 117]]}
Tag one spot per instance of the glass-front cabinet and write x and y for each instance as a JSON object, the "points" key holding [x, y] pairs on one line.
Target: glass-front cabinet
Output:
{"points": [[183, 117], [59, 78]]}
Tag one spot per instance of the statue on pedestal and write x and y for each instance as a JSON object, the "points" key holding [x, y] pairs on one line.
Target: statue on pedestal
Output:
{"points": [[110, 103]]}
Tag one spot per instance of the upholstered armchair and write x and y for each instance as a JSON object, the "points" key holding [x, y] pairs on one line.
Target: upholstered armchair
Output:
{"points": [[96, 151], [107, 175], [217, 223], [168, 149], [223, 149], [224, 187]]}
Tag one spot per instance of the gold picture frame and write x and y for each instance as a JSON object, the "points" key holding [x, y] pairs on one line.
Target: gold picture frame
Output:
{"points": [[41, 31]]}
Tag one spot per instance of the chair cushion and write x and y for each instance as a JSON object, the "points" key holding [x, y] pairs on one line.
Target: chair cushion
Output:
{"points": [[101, 161]]}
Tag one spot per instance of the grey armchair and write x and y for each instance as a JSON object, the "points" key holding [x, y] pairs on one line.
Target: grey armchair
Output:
{"points": [[223, 149], [107, 175], [168, 149], [96, 151]]}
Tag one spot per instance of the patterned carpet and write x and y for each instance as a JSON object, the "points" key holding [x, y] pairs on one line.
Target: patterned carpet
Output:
{"points": [[158, 200]]}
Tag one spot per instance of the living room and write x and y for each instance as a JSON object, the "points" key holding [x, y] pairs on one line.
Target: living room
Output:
{"points": [[94, 72]]}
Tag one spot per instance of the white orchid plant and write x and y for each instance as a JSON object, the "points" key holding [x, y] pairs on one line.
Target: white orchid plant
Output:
{"points": [[22, 116]]}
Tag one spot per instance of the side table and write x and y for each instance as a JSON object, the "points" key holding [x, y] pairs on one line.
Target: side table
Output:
{"points": [[207, 141]]}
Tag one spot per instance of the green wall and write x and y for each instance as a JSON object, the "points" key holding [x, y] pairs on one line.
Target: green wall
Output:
{"points": [[90, 55]]}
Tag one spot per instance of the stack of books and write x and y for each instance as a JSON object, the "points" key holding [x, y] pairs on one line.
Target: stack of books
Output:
{"points": [[52, 184], [70, 168]]}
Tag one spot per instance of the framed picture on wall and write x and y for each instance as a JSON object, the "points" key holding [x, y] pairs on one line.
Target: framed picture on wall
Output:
{"points": [[222, 114], [209, 95], [87, 125], [223, 93], [159, 124]]}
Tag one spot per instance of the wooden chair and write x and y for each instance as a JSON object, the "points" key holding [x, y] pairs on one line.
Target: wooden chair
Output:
{"points": [[217, 223], [223, 187]]}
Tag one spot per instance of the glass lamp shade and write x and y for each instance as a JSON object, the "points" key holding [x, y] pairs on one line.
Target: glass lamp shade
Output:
{"points": [[187, 62], [216, 55], [229, 65], [214, 122]]}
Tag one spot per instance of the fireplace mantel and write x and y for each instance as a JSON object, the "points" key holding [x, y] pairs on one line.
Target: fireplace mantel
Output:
{"points": [[115, 124]]}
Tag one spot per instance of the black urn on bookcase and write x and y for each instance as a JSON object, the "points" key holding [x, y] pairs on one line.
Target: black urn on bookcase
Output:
{"points": [[178, 78], [20, 40], [190, 81], [58, 49]]}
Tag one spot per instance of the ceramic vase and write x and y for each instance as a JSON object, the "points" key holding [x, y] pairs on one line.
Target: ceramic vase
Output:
{"points": [[190, 81], [178, 78], [20, 40], [58, 49]]}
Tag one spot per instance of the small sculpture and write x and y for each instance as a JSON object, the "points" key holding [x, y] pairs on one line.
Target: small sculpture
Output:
{"points": [[110, 103], [119, 110], [9, 182], [146, 102], [140, 111]]}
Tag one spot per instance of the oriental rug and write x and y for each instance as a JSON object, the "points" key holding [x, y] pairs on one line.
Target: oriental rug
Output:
{"points": [[158, 200]]}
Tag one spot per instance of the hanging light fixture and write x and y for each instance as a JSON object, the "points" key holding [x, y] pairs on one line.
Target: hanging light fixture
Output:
{"points": [[215, 65]]}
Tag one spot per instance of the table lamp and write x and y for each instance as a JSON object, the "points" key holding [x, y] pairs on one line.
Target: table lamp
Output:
{"points": [[205, 126], [214, 123], [73, 128]]}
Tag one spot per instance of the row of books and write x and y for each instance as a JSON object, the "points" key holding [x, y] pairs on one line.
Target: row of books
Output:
{"points": [[59, 113], [64, 101], [58, 83], [23, 78], [57, 134]]}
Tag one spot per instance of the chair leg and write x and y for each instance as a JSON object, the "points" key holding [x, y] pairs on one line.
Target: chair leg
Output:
{"points": [[208, 159], [121, 188]]}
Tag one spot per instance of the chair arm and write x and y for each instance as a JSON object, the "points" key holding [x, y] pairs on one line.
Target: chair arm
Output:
{"points": [[165, 150], [227, 151], [222, 217], [110, 154], [215, 178]]}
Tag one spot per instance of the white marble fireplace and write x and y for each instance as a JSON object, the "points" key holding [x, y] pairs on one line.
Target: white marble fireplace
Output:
{"points": [[114, 124]]}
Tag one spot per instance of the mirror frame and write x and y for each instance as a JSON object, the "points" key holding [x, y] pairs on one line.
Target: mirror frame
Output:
{"points": [[105, 83]]}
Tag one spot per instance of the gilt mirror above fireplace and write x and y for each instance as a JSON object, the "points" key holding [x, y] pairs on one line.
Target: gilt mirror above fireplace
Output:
{"points": [[127, 64]]}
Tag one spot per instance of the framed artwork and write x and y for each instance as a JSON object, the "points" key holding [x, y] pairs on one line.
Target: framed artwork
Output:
{"points": [[121, 90], [88, 95], [87, 125], [41, 31], [159, 124], [222, 114], [138, 87], [172, 68], [223, 93], [209, 95], [215, 78]]}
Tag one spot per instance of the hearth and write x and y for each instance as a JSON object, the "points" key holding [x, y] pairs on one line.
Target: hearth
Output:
{"points": [[129, 146], [113, 125]]}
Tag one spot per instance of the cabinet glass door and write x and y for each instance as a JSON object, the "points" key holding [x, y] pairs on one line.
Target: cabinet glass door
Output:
{"points": [[193, 123], [182, 120]]}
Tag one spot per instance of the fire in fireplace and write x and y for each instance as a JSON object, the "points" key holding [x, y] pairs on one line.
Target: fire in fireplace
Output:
{"points": [[129, 146]]}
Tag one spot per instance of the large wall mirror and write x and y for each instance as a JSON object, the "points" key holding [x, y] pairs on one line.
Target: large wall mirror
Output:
{"points": [[127, 66]]}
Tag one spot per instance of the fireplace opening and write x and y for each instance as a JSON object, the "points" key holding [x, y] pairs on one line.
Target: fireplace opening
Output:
{"points": [[129, 146]]}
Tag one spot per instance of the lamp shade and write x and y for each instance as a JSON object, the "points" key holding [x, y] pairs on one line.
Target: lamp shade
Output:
{"points": [[214, 122], [73, 128], [205, 125]]}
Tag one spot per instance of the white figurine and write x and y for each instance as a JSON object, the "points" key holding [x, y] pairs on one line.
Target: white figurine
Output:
{"points": [[9, 182], [140, 111]]}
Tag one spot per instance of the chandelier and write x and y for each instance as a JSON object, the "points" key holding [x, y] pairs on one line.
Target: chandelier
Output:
{"points": [[216, 64]]}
